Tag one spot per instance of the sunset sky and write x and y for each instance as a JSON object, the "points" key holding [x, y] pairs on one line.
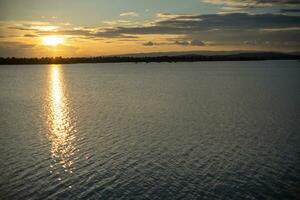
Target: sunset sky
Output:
{"points": [[36, 28]]}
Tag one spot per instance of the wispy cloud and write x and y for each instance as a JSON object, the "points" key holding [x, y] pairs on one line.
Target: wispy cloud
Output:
{"points": [[250, 4], [194, 42], [129, 14], [253, 2]]}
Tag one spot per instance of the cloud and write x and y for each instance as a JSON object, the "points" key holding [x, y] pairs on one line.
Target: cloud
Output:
{"points": [[150, 43], [281, 29], [185, 25], [182, 42], [255, 3], [231, 21], [171, 15], [26, 27], [289, 10], [113, 23], [250, 4], [21, 28], [19, 45], [94, 33], [221, 29], [30, 35], [45, 28], [194, 42], [129, 14], [180, 29]]}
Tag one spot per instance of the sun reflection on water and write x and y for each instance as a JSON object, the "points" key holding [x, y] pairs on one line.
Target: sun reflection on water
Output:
{"points": [[61, 122]]}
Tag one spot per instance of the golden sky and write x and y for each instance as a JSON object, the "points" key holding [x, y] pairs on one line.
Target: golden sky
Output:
{"points": [[35, 28]]}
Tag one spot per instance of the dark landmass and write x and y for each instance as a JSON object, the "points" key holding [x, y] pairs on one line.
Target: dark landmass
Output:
{"points": [[202, 53], [248, 56]]}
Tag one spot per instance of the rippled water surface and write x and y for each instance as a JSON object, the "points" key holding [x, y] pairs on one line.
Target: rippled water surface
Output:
{"points": [[207, 130]]}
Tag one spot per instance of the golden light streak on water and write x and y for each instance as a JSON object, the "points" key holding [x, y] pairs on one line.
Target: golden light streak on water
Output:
{"points": [[60, 122]]}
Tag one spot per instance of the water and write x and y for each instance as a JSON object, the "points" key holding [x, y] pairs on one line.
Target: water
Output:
{"points": [[207, 130]]}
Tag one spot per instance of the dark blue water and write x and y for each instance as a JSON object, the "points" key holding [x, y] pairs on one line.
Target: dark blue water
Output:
{"points": [[216, 130]]}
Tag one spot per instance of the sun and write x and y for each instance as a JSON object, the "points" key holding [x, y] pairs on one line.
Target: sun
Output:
{"points": [[52, 40]]}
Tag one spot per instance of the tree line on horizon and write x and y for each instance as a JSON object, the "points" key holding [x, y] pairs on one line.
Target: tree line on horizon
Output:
{"points": [[126, 59]]}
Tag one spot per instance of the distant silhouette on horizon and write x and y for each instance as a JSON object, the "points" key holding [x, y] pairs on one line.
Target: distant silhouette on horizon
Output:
{"points": [[147, 59]]}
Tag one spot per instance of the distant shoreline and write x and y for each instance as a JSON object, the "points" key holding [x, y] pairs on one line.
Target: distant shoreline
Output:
{"points": [[149, 59]]}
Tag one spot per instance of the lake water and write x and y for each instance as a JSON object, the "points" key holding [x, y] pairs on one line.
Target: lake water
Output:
{"points": [[206, 130]]}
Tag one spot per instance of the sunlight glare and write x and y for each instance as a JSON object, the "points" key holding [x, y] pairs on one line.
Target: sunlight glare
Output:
{"points": [[53, 40], [61, 122]]}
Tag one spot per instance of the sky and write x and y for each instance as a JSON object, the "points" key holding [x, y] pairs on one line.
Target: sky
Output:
{"points": [[72, 28]]}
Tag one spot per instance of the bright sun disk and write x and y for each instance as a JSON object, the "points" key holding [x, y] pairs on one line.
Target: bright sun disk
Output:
{"points": [[52, 40]]}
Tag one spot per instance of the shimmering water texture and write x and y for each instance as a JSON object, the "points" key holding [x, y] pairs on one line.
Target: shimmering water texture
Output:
{"points": [[61, 124], [207, 130]]}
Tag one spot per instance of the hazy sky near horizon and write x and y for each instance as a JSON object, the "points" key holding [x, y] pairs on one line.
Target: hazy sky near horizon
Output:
{"points": [[30, 28]]}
